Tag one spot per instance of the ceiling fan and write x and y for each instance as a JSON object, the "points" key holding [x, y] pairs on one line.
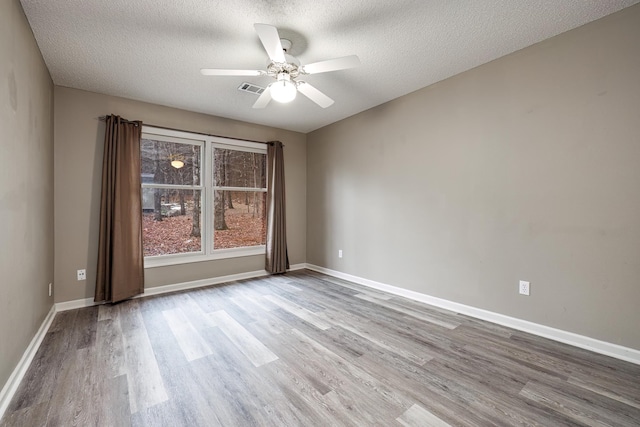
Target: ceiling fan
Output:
{"points": [[286, 70]]}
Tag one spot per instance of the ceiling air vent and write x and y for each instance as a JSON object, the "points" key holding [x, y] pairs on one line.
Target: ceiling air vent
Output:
{"points": [[251, 88]]}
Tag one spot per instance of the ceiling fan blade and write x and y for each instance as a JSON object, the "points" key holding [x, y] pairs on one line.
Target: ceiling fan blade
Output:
{"points": [[271, 41], [264, 99], [220, 72], [332, 65], [314, 94]]}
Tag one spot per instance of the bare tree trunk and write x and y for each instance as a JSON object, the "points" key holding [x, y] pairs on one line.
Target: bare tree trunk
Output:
{"points": [[178, 180], [183, 210], [219, 222], [195, 226], [195, 222], [157, 193], [227, 178], [254, 167], [157, 204]]}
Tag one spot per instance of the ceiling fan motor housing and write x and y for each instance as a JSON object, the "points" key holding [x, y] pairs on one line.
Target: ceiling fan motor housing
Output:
{"points": [[291, 67]]}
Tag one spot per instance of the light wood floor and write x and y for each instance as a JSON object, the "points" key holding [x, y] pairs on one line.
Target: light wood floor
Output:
{"points": [[308, 350]]}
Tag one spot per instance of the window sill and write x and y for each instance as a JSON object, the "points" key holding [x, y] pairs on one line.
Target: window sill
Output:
{"points": [[167, 260]]}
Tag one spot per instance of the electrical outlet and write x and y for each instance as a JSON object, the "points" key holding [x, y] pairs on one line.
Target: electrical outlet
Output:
{"points": [[524, 287], [82, 274], [339, 253], [50, 288]]}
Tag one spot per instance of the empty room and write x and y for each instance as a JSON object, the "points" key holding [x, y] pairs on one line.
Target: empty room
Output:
{"points": [[357, 213]]}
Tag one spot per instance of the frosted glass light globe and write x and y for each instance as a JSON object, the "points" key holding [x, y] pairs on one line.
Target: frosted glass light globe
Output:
{"points": [[284, 90]]}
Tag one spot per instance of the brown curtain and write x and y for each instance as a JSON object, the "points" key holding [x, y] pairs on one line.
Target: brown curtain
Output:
{"points": [[277, 260], [120, 251]]}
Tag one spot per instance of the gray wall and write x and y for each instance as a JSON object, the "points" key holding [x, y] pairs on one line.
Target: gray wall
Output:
{"points": [[525, 168], [26, 187], [79, 140]]}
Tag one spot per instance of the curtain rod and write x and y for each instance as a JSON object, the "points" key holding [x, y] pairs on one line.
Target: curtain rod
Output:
{"points": [[103, 118]]}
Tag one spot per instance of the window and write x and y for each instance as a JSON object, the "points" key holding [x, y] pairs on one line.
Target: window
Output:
{"points": [[203, 197]]}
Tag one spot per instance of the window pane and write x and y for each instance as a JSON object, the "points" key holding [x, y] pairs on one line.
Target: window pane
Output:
{"points": [[170, 221], [239, 219], [234, 168], [170, 163]]}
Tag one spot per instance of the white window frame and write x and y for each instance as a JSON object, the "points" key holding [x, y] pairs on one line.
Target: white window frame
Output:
{"points": [[207, 143]]}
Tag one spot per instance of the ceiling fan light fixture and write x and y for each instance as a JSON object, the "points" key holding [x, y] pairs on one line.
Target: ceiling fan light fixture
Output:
{"points": [[286, 69], [177, 163], [284, 90]]}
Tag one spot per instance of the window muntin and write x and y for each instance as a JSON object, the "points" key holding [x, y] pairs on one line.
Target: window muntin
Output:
{"points": [[219, 190]]}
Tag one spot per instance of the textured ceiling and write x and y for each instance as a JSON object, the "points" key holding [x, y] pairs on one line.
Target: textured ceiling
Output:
{"points": [[152, 50]]}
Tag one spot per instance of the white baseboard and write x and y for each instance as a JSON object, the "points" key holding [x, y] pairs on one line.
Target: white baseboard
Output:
{"points": [[295, 267], [72, 305], [201, 283], [587, 343], [88, 302], [11, 386]]}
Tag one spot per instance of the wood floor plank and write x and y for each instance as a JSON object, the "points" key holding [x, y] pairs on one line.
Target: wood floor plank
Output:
{"points": [[169, 413], [585, 407], [85, 332], [494, 400], [314, 408], [284, 397], [44, 371], [285, 321], [298, 311], [231, 384], [73, 397], [409, 312], [248, 305], [188, 397], [106, 312], [334, 378], [358, 288], [410, 380], [302, 299], [261, 302], [110, 347], [627, 395], [190, 308], [190, 341], [237, 312], [386, 341], [143, 375], [304, 349], [417, 416], [351, 380], [112, 402], [35, 415], [255, 351], [289, 353], [281, 282]]}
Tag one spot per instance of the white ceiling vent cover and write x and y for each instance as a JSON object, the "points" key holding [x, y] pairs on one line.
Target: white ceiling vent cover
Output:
{"points": [[251, 88]]}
